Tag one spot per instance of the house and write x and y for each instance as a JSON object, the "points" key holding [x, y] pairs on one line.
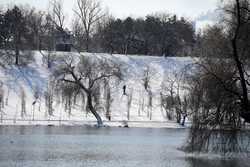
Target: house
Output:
{"points": [[63, 40]]}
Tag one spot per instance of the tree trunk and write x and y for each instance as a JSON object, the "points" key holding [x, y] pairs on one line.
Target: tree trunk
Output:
{"points": [[178, 115], [184, 120], [87, 42], [245, 106], [146, 48], [17, 56], [17, 39], [16, 53], [39, 43], [48, 60], [92, 109]]}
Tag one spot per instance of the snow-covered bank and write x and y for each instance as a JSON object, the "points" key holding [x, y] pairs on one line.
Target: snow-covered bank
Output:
{"points": [[130, 124], [28, 81]]}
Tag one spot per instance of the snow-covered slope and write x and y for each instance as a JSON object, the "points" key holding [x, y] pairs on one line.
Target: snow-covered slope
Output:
{"points": [[32, 79]]}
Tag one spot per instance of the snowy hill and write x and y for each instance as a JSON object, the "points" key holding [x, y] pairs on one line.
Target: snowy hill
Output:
{"points": [[28, 81]]}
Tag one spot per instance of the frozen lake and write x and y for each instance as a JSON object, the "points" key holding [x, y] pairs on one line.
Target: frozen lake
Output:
{"points": [[24, 146]]}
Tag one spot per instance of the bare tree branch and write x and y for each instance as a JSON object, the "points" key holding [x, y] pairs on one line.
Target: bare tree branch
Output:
{"points": [[89, 13]]}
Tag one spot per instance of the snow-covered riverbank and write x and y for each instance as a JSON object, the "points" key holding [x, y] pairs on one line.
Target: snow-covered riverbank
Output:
{"points": [[130, 124], [32, 80]]}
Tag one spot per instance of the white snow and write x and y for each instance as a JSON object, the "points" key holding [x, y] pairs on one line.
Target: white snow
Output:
{"points": [[35, 77]]}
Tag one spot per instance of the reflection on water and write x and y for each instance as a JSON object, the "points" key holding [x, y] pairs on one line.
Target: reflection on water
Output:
{"points": [[105, 147], [201, 162]]}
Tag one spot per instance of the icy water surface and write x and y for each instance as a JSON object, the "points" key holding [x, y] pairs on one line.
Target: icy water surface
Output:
{"points": [[23, 146]]}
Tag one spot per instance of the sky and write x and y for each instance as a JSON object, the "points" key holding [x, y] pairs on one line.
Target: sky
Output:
{"points": [[191, 9]]}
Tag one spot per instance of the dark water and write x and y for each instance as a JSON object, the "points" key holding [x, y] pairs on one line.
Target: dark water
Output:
{"points": [[106, 147]]}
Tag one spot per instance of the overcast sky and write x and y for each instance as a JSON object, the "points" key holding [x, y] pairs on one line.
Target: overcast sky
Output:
{"points": [[191, 9]]}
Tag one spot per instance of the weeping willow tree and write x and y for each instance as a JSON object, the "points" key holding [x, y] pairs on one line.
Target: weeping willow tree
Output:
{"points": [[85, 75], [218, 88], [218, 91], [69, 94], [216, 122]]}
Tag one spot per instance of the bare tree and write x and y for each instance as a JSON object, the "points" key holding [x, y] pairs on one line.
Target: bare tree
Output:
{"points": [[52, 22], [147, 76], [57, 13], [35, 24], [89, 12], [15, 23], [129, 103], [7, 97], [215, 111], [88, 74], [48, 31], [216, 95], [36, 99], [78, 35], [141, 104], [69, 93], [166, 104], [23, 103], [150, 105], [108, 99], [184, 110], [170, 96], [49, 98], [241, 14]]}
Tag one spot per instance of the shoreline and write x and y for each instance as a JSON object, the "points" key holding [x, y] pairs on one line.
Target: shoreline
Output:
{"points": [[119, 123]]}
